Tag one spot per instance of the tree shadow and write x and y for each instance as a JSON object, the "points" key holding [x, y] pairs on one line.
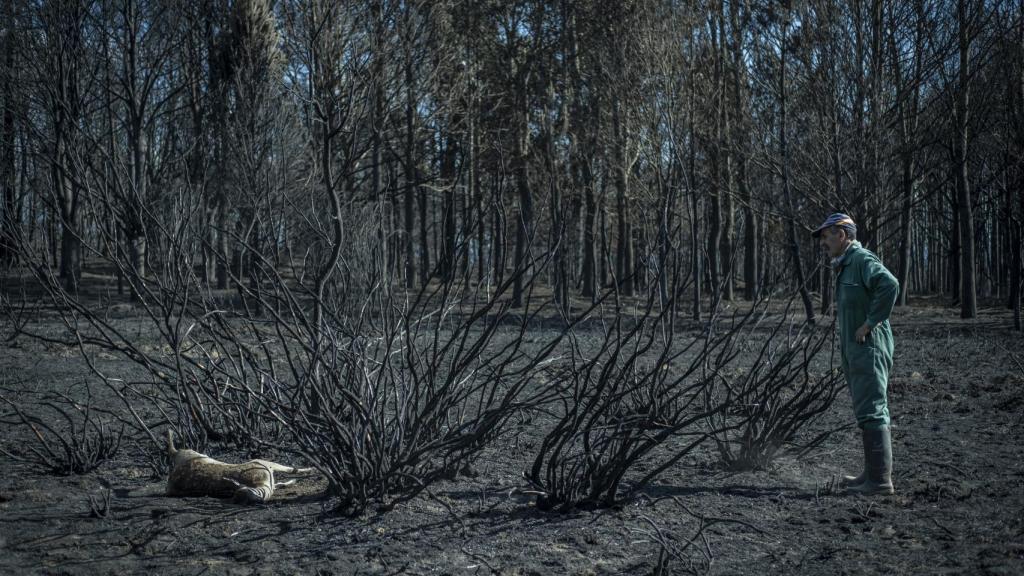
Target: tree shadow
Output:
{"points": [[740, 490]]}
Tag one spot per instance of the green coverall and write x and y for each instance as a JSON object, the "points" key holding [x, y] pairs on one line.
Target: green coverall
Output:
{"points": [[866, 292]]}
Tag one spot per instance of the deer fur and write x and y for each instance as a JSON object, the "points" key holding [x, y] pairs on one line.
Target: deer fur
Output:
{"points": [[195, 474]]}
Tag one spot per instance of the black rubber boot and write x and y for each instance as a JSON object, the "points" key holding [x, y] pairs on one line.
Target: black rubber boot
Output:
{"points": [[847, 480], [850, 481], [877, 463]]}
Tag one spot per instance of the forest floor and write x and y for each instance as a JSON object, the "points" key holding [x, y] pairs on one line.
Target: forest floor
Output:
{"points": [[956, 396]]}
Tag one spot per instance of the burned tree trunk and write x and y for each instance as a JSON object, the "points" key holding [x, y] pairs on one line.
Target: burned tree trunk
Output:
{"points": [[1017, 239], [968, 296], [728, 218], [64, 102], [794, 243], [907, 115], [620, 164], [411, 174], [9, 217], [524, 220], [739, 139]]}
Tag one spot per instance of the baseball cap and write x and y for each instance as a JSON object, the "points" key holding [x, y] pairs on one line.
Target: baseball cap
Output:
{"points": [[837, 219]]}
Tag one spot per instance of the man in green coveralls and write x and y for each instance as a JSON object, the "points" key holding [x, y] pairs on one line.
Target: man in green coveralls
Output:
{"points": [[865, 295]]}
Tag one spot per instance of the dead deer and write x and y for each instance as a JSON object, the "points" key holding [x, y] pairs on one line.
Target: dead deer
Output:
{"points": [[195, 474]]}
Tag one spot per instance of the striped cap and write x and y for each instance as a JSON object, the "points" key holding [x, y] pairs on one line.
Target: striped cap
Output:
{"points": [[837, 219]]}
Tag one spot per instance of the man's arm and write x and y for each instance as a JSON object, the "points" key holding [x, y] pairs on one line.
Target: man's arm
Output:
{"points": [[883, 288]]}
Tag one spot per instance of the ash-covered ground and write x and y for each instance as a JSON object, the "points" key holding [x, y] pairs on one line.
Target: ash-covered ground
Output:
{"points": [[956, 395]]}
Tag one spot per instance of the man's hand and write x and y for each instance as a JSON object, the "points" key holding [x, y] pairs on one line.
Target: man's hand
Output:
{"points": [[863, 332]]}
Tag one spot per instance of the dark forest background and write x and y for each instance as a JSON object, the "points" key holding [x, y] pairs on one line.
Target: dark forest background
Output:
{"points": [[355, 145]]}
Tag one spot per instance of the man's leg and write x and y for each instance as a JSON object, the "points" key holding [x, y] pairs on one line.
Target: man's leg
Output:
{"points": [[868, 384]]}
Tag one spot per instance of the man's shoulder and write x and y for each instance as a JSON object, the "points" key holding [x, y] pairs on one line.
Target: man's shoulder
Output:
{"points": [[859, 255], [868, 263]]}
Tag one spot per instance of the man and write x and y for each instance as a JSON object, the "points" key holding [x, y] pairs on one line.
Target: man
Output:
{"points": [[865, 295]]}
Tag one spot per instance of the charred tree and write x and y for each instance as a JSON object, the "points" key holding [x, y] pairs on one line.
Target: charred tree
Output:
{"points": [[9, 217], [794, 242], [968, 291]]}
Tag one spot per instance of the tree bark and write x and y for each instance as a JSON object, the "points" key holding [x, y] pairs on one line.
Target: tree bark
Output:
{"points": [[691, 170], [1018, 239], [794, 244], [498, 232], [907, 114], [70, 241], [410, 173], [447, 263], [968, 297], [952, 282], [603, 252], [478, 195], [727, 218], [624, 247], [424, 273], [64, 108], [9, 217], [589, 224], [524, 221], [1016, 224]]}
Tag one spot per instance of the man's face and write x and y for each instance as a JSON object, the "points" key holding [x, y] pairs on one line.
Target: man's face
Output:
{"points": [[834, 241]]}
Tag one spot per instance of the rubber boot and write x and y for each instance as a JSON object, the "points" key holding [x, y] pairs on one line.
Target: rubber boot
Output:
{"points": [[850, 481], [878, 463], [847, 481]]}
